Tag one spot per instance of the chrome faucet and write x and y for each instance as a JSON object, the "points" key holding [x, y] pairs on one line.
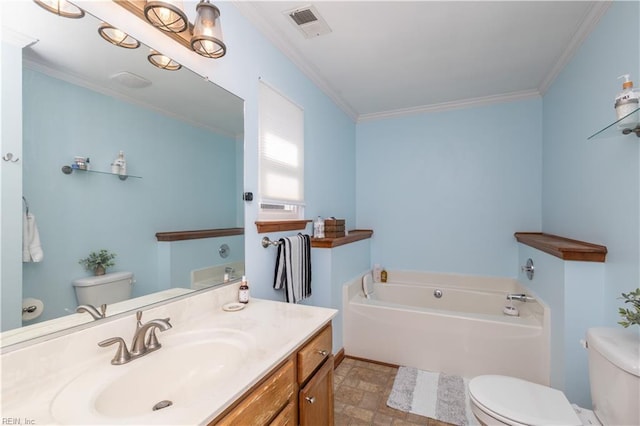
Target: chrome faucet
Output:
{"points": [[93, 311], [521, 297], [141, 344]]}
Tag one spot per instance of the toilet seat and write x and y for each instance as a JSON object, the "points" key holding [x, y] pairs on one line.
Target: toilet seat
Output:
{"points": [[517, 402]]}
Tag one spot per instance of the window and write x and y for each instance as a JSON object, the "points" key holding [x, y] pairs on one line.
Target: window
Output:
{"points": [[281, 156]]}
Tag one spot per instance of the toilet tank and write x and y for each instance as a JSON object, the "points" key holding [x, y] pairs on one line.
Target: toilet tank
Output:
{"points": [[614, 374], [107, 288]]}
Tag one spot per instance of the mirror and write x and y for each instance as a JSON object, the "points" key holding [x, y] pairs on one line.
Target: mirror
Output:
{"points": [[182, 138]]}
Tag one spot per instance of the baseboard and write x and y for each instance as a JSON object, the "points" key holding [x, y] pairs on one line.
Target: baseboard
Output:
{"points": [[338, 358], [367, 360]]}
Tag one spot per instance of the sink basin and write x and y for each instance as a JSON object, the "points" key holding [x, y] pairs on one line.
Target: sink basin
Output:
{"points": [[188, 366]]}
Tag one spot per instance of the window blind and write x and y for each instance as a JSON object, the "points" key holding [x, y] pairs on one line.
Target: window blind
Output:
{"points": [[281, 151]]}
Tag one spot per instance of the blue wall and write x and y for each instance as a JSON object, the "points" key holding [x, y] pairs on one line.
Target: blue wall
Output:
{"points": [[185, 173], [591, 189], [446, 191]]}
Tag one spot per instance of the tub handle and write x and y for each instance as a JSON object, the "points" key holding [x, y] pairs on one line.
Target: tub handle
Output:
{"points": [[322, 352], [528, 269]]}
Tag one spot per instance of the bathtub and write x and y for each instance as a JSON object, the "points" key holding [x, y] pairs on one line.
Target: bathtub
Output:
{"points": [[462, 332]]}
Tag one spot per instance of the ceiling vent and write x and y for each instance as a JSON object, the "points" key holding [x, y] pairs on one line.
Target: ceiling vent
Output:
{"points": [[130, 80], [308, 21]]}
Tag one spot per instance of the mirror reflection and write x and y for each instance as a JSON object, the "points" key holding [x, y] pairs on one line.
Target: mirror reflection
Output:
{"points": [[116, 151]]}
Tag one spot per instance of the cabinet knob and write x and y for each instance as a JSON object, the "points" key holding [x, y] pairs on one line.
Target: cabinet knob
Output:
{"points": [[322, 352], [310, 399]]}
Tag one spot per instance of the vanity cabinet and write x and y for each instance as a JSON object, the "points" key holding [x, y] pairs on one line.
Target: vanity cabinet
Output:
{"points": [[298, 391], [267, 400]]}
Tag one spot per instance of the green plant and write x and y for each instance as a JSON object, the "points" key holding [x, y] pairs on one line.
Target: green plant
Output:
{"points": [[102, 259], [631, 316]]}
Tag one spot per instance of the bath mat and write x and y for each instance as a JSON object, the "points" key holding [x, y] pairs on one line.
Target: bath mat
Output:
{"points": [[440, 396]]}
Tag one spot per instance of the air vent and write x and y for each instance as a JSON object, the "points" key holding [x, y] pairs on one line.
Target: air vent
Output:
{"points": [[308, 21], [303, 16], [130, 80]]}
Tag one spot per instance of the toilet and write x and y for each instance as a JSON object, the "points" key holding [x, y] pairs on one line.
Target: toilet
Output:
{"points": [[107, 288], [614, 373]]}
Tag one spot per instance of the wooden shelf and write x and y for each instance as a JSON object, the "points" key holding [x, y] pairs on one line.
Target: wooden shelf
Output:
{"points": [[564, 248], [353, 236], [281, 225], [197, 234]]}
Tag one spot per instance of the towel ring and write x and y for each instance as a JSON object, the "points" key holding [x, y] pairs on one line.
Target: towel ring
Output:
{"points": [[266, 242]]}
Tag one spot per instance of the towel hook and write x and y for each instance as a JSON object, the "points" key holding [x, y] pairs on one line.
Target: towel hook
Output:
{"points": [[26, 204], [9, 157], [266, 242]]}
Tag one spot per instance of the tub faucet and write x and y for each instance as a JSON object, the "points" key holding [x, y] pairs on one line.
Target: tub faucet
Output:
{"points": [[141, 344], [91, 310], [521, 297]]}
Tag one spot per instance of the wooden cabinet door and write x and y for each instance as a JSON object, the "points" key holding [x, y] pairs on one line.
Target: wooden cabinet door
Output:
{"points": [[315, 400]]}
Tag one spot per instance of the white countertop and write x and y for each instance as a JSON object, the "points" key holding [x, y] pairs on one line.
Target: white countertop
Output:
{"points": [[33, 376]]}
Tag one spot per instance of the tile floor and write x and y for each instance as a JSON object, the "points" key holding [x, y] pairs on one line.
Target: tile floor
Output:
{"points": [[361, 390]]}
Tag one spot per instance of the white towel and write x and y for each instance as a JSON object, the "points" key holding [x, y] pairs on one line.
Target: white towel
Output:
{"points": [[31, 248], [293, 267]]}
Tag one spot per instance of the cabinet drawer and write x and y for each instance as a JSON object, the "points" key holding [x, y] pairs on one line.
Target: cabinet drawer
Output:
{"points": [[265, 400], [287, 416], [314, 353]]}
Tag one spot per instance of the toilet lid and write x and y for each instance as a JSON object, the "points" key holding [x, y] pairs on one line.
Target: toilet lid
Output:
{"points": [[521, 402]]}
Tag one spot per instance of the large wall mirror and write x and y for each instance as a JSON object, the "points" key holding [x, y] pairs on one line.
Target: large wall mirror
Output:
{"points": [[182, 138]]}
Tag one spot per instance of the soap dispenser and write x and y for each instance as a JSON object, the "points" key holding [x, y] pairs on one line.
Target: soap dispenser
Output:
{"points": [[627, 102], [243, 291]]}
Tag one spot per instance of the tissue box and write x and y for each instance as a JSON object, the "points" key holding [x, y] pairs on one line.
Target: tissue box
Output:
{"points": [[334, 228], [334, 234]]}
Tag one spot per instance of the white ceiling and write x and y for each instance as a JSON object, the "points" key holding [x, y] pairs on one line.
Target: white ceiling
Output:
{"points": [[384, 58]]}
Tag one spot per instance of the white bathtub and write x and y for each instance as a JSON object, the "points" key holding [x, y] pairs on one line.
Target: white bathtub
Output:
{"points": [[463, 332]]}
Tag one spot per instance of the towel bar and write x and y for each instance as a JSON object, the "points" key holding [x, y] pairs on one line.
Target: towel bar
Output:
{"points": [[266, 242]]}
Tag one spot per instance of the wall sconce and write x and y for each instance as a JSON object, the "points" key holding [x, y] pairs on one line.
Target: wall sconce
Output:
{"points": [[61, 8], [167, 15], [204, 37], [117, 37], [163, 62]]}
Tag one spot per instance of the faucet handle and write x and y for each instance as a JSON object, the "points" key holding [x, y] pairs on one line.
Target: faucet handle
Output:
{"points": [[122, 354]]}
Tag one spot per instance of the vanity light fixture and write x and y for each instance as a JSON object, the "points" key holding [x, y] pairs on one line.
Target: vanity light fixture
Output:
{"points": [[61, 8], [167, 15], [163, 62], [207, 31], [203, 37], [117, 37]]}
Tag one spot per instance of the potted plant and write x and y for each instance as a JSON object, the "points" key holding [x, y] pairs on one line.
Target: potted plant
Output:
{"points": [[98, 262], [631, 316]]}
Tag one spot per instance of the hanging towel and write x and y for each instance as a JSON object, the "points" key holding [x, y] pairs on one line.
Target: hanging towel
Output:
{"points": [[293, 267], [31, 248]]}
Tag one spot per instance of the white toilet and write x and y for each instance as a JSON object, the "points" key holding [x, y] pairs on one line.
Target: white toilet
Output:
{"points": [[107, 288], [614, 373]]}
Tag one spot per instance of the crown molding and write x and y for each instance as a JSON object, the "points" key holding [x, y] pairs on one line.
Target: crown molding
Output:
{"points": [[447, 106], [16, 38], [589, 22]]}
